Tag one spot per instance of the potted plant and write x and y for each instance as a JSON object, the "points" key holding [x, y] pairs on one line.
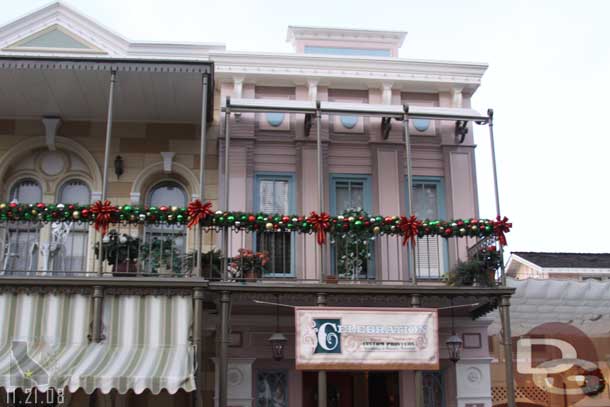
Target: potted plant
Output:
{"points": [[210, 263], [120, 251], [248, 264], [477, 271], [162, 256]]}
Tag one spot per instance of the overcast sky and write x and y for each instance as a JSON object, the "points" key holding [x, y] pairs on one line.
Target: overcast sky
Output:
{"points": [[548, 82]]}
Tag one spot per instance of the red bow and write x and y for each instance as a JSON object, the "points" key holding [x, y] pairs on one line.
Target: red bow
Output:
{"points": [[198, 211], [103, 215], [502, 226], [410, 228], [321, 223]]}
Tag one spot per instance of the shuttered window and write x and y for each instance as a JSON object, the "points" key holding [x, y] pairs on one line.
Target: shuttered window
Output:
{"points": [[430, 250], [274, 196]]}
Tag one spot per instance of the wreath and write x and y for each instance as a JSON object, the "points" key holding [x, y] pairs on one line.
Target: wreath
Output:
{"points": [[594, 383]]}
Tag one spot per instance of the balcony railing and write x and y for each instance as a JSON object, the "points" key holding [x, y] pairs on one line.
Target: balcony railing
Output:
{"points": [[61, 241]]}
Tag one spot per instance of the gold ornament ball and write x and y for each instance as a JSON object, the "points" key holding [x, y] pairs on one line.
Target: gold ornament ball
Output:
{"points": [[269, 226], [174, 209], [76, 215], [376, 230], [34, 212], [351, 218], [2, 205]]}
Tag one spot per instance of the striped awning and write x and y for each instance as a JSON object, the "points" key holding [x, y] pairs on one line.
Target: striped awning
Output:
{"points": [[44, 344]]}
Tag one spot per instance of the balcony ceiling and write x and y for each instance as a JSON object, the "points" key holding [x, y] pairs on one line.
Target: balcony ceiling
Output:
{"points": [[82, 94]]}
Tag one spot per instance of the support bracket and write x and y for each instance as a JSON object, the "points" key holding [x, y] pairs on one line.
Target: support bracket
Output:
{"points": [[386, 126], [307, 123], [461, 130]]}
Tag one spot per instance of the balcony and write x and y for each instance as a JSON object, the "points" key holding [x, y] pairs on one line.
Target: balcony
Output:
{"points": [[62, 240]]}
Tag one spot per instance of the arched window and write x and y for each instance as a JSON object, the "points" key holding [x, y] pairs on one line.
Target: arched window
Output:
{"points": [[163, 250], [21, 252], [74, 191], [26, 191], [167, 193], [68, 246]]}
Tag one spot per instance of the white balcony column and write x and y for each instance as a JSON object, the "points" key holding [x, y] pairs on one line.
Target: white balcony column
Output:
{"points": [[457, 98], [312, 87], [473, 382], [386, 93]]}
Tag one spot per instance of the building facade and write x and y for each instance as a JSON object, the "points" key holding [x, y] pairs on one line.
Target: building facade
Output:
{"points": [[160, 299]]}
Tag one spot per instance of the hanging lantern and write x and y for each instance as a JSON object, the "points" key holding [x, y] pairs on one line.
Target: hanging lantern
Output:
{"points": [[278, 344], [278, 340], [454, 347]]}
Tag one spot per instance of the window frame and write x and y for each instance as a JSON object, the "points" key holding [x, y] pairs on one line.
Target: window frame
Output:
{"points": [[367, 207], [277, 176], [440, 201]]}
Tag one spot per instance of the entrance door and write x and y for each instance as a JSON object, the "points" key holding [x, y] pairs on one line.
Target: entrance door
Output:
{"points": [[353, 389]]}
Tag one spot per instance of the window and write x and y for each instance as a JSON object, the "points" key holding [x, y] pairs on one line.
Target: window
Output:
{"points": [[26, 191], [430, 251], [352, 255], [369, 52], [21, 251], [164, 246], [274, 194], [272, 388], [67, 250]]}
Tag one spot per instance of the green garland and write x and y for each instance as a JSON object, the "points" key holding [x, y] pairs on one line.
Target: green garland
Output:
{"points": [[171, 215]]}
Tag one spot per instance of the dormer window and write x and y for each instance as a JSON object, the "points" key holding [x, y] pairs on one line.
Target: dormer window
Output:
{"points": [[346, 42]]}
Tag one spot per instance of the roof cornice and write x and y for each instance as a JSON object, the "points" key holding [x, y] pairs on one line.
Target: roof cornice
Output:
{"points": [[300, 67]]}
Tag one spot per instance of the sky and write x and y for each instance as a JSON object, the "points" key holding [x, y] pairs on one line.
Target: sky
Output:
{"points": [[548, 82]]}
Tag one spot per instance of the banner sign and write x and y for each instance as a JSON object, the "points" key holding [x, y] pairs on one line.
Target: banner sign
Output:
{"points": [[333, 338]]}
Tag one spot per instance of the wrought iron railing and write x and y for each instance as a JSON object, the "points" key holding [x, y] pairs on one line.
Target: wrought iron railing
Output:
{"points": [[60, 240]]}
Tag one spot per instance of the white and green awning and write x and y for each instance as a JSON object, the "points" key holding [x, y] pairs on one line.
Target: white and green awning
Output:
{"points": [[44, 344]]}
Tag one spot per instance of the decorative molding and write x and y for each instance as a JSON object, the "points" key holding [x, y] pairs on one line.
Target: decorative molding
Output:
{"points": [[168, 159], [143, 291], [51, 125], [42, 289], [297, 68], [94, 33]]}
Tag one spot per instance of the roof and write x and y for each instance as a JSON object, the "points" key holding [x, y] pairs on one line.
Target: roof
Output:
{"points": [[567, 260], [583, 304]]}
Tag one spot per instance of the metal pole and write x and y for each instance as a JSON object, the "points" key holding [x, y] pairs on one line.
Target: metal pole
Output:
{"points": [[225, 198], [198, 343], [108, 135], [204, 130], [408, 158], [100, 263], [490, 113], [98, 298], [320, 181], [419, 378], [98, 291], [508, 350], [322, 382], [223, 363]]}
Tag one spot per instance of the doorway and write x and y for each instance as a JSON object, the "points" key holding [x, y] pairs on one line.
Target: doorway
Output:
{"points": [[353, 389]]}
